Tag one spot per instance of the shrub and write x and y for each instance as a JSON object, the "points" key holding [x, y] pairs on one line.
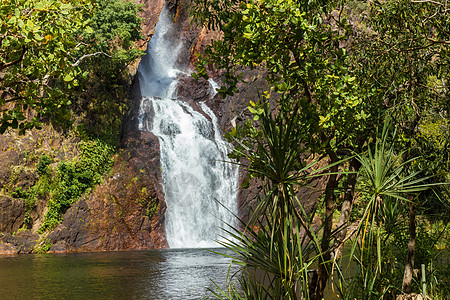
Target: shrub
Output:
{"points": [[42, 166], [75, 177]]}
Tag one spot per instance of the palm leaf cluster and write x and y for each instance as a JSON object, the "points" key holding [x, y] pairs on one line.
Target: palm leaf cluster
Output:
{"points": [[278, 249]]}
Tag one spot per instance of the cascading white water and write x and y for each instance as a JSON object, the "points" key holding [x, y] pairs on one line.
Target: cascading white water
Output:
{"points": [[199, 186]]}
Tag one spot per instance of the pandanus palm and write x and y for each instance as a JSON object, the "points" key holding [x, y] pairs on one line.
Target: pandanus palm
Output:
{"points": [[389, 181], [278, 245]]}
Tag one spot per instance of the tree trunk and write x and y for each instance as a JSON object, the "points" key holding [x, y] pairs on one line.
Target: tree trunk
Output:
{"points": [[409, 267], [346, 208], [324, 263]]}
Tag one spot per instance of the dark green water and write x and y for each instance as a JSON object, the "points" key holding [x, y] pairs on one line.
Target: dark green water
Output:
{"points": [[166, 274]]}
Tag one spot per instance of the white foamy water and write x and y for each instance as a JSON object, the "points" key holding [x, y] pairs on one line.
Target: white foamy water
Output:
{"points": [[200, 187]]}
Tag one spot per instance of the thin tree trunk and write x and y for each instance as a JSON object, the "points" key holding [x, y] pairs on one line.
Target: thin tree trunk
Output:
{"points": [[323, 271], [409, 267], [346, 208]]}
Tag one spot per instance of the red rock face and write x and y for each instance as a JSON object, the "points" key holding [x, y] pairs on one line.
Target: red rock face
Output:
{"points": [[150, 14], [12, 213], [126, 212]]}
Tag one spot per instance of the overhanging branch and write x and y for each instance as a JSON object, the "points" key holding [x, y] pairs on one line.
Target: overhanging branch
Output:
{"points": [[9, 64], [89, 55]]}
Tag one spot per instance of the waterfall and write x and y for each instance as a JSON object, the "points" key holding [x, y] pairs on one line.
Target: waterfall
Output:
{"points": [[199, 186]]}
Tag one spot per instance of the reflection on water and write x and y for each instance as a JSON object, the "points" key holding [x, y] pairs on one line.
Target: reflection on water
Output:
{"points": [[160, 274]]}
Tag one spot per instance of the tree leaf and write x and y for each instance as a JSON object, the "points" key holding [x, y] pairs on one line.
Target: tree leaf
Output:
{"points": [[68, 77]]}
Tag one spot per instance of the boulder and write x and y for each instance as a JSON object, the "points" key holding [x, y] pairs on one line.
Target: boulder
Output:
{"points": [[22, 242], [12, 214]]}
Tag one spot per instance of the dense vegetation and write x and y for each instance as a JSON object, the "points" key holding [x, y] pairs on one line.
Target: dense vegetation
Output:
{"points": [[363, 86], [64, 63], [52, 50], [360, 85]]}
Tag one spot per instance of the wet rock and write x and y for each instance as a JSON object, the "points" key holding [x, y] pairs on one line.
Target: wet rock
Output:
{"points": [[73, 234], [172, 5], [150, 14], [189, 89]]}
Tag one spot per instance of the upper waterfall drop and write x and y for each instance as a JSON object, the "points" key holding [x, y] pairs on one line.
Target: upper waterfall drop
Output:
{"points": [[200, 186], [157, 71]]}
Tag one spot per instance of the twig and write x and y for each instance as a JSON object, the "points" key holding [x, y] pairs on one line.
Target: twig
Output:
{"points": [[428, 1], [89, 55]]}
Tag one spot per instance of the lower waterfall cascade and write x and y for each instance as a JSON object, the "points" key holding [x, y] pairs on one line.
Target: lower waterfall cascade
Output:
{"points": [[199, 182]]}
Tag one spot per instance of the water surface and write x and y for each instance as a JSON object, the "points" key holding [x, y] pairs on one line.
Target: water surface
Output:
{"points": [[159, 274]]}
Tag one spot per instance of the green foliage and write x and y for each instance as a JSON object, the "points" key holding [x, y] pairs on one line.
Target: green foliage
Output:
{"points": [[301, 55], [381, 238], [20, 193], [101, 100], [95, 156], [42, 166], [30, 200], [36, 66], [43, 247], [385, 283], [72, 179], [407, 52], [337, 80], [50, 51], [150, 204], [114, 27], [385, 170], [152, 207]]}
